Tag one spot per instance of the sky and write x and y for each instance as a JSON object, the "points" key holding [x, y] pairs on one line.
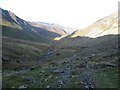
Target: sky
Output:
{"points": [[70, 13]]}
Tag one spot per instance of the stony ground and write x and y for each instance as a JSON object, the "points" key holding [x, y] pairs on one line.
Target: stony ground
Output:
{"points": [[68, 68]]}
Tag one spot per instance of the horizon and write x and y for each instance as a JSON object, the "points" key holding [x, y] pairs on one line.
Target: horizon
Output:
{"points": [[69, 14]]}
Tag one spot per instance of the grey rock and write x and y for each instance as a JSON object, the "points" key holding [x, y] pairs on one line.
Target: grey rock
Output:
{"points": [[48, 86], [56, 71], [23, 86], [92, 55], [61, 82], [30, 80]]}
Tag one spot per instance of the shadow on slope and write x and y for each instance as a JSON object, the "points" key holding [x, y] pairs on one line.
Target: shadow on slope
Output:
{"points": [[20, 54], [27, 33]]}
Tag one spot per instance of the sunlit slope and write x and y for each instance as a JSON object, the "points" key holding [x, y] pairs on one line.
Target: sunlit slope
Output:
{"points": [[105, 26]]}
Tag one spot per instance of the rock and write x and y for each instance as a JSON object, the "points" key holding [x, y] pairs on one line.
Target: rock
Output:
{"points": [[45, 80], [104, 56], [76, 82], [55, 71], [61, 71], [43, 72], [30, 80], [18, 61], [92, 55], [82, 47], [18, 41], [68, 68], [86, 86], [5, 59], [32, 68], [73, 76], [48, 86], [61, 48], [12, 87], [56, 77], [23, 86], [63, 62], [66, 76], [61, 82], [80, 65], [89, 56], [94, 67], [104, 65], [58, 54], [86, 62], [50, 76], [116, 58]]}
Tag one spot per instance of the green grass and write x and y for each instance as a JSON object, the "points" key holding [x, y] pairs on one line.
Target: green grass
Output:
{"points": [[62, 54], [10, 24], [21, 53], [38, 74], [14, 82], [107, 79]]}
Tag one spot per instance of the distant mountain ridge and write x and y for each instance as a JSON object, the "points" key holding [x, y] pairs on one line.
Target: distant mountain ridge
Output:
{"points": [[66, 29], [50, 27]]}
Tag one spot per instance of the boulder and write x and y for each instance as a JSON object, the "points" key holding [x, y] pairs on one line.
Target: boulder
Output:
{"points": [[30, 80], [57, 54], [32, 68], [61, 82], [23, 86], [48, 86], [56, 71], [92, 55]]}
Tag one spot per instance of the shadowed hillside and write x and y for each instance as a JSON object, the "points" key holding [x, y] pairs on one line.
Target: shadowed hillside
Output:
{"points": [[13, 26]]}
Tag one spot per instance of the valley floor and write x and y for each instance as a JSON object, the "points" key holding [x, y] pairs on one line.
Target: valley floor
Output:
{"points": [[62, 67]]}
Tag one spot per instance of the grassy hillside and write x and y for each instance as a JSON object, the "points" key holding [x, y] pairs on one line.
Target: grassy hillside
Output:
{"points": [[93, 65], [87, 42], [22, 34], [19, 54], [15, 27]]}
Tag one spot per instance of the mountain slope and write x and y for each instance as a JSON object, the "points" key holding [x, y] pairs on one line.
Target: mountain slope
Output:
{"points": [[50, 27], [105, 26], [15, 27]]}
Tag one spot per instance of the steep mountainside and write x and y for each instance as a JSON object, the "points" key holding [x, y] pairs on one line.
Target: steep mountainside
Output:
{"points": [[105, 26], [15, 27]]}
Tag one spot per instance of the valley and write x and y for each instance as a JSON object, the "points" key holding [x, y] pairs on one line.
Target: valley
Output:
{"points": [[42, 55], [64, 67]]}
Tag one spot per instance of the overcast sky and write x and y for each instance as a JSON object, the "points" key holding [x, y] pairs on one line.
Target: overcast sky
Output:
{"points": [[72, 13]]}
